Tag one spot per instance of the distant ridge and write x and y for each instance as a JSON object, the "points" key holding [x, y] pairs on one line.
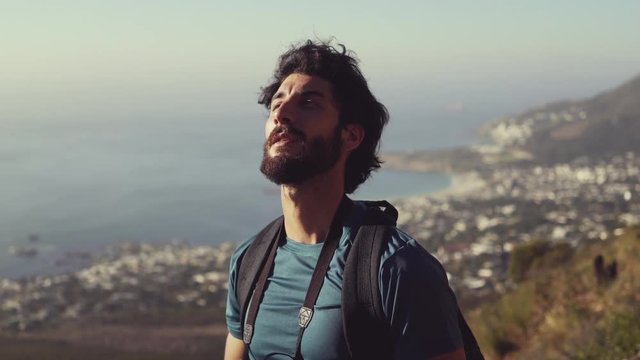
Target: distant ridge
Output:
{"points": [[599, 127]]}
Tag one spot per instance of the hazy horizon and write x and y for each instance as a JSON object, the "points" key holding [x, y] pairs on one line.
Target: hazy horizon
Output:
{"points": [[119, 60]]}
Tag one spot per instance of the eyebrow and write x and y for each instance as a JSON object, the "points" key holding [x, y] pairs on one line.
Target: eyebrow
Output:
{"points": [[305, 93]]}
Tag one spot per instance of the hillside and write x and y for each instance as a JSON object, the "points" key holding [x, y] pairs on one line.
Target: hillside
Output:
{"points": [[560, 310]]}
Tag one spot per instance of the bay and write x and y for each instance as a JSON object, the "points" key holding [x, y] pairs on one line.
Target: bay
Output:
{"points": [[80, 186]]}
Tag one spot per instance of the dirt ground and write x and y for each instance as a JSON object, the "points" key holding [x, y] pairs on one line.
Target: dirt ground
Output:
{"points": [[116, 341]]}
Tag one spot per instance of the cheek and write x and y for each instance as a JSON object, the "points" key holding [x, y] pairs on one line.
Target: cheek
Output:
{"points": [[268, 128]]}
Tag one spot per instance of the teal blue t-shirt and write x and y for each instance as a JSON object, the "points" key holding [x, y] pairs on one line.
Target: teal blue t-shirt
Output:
{"points": [[404, 264]]}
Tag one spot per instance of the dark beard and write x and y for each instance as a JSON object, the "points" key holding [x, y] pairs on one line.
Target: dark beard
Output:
{"points": [[315, 157]]}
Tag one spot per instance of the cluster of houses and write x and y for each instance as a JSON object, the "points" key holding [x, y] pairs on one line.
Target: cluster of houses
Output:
{"points": [[516, 130], [573, 203], [130, 277]]}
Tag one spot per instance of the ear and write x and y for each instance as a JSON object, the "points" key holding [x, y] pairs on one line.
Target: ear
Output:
{"points": [[352, 136]]}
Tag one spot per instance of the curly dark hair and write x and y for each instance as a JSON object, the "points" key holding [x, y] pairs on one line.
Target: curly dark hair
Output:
{"points": [[356, 103]]}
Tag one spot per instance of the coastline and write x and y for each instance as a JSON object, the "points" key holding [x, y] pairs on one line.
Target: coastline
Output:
{"points": [[65, 260], [462, 183]]}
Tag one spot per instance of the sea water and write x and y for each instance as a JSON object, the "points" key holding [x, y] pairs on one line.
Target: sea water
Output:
{"points": [[74, 187]]}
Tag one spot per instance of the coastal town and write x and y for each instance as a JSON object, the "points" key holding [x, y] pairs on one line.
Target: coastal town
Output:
{"points": [[129, 278], [471, 229], [573, 203]]}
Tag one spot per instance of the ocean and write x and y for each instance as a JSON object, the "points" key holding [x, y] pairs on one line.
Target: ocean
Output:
{"points": [[73, 187]]}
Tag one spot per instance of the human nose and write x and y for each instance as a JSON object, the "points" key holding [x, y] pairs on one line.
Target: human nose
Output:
{"points": [[283, 112]]}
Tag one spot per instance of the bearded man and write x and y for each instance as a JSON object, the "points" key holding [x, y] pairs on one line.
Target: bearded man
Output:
{"points": [[322, 137]]}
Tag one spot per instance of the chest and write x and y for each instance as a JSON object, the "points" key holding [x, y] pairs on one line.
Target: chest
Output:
{"points": [[276, 327]]}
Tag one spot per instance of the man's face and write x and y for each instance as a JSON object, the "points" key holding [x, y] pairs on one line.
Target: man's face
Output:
{"points": [[303, 136]]}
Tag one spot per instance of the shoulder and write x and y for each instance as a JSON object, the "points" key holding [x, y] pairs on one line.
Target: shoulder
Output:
{"points": [[243, 247], [240, 250], [404, 255], [234, 266]]}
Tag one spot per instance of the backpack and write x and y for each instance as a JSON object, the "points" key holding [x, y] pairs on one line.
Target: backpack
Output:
{"points": [[365, 326]]}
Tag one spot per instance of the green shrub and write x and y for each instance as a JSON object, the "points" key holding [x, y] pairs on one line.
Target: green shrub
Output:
{"points": [[536, 256], [506, 323], [523, 256], [618, 337]]}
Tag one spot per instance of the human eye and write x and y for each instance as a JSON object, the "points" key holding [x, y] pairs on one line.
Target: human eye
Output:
{"points": [[275, 105], [309, 102]]}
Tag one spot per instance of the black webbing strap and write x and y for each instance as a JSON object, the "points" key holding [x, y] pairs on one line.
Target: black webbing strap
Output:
{"points": [[471, 347], [322, 266], [269, 238]]}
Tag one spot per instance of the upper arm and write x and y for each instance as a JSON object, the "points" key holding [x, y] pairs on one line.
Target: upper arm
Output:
{"points": [[420, 306], [234, 348]]}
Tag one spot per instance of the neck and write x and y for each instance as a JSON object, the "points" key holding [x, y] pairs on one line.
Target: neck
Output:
{"points": [[309, 208]]}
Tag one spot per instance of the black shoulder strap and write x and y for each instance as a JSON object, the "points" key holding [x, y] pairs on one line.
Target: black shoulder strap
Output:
{"points": [[471, 347], [365, 326], [252, 262]]}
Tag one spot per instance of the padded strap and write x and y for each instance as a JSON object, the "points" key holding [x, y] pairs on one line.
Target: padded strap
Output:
{"points": [[384, 208], [364, 323], [253, 261]]}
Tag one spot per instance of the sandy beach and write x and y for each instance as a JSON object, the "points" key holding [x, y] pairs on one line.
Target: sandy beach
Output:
{"points": [[462, 185]]}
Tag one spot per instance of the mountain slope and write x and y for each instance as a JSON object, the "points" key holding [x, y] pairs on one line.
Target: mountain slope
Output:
{"points": [[564, 312]]}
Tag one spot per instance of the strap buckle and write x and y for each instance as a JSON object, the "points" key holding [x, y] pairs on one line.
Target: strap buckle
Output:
{"points": [[247, 334], [304, 316]]}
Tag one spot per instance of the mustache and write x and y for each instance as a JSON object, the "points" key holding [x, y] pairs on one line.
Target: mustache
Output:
{"points": [[284, 131]]}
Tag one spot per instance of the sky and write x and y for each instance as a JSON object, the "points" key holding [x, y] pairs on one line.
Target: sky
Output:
{"points": [[116, 59], [115, 115]]}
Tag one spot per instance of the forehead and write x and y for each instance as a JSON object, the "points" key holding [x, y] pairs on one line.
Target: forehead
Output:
{"points": [[302, 83]]}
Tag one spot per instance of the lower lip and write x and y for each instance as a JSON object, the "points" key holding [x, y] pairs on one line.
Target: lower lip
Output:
{"points": [[283, 141]]}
